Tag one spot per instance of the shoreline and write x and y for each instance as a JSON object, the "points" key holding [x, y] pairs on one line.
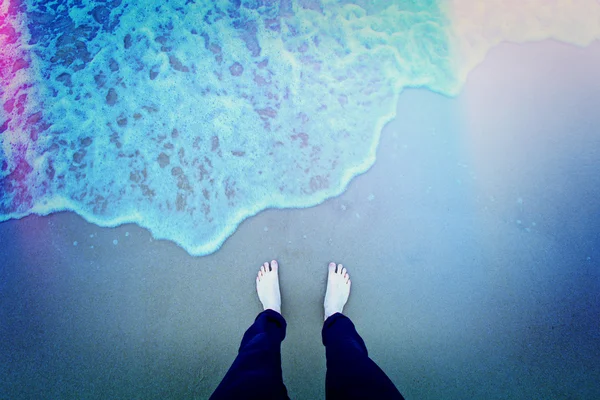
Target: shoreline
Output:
{"points": [[452, 295]]}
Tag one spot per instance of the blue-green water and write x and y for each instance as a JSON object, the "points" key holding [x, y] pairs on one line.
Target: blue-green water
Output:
{"points": [[186, 117]]}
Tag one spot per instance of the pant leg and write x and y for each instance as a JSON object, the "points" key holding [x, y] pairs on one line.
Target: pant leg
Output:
{"points": [[351, 374], [256, 371]]}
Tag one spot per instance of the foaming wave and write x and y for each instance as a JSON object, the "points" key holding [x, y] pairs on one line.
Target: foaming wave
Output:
{"points": [[188, 117], [477, 28]]}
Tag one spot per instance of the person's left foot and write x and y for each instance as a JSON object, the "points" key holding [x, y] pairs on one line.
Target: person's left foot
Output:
{"points": [[267, 286]]}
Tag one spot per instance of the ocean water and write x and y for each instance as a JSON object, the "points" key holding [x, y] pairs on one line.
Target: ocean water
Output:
{"points": [[187, 117]]}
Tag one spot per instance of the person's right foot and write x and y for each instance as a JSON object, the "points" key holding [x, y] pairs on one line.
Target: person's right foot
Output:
{"points": [[338, 289]]}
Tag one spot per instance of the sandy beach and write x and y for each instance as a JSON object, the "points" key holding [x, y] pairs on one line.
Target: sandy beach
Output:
{"points": [[472, 244]]}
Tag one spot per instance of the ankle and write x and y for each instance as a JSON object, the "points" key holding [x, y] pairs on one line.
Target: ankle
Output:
{"points": [[330, 312]]}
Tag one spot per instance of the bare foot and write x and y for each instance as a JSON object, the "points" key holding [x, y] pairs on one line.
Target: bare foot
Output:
{"points": [[338, 289], [267, 286]]}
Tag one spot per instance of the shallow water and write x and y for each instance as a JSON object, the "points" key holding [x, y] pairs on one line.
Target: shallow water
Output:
{"points": [[186, 117]]}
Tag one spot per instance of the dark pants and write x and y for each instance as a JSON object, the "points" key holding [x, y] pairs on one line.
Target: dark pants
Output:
{"points": [[256, 371]]}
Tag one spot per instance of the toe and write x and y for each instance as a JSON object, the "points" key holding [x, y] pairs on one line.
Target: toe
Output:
{"points": [[332, 268], [274, 265], [339, 268], [344, 272]]}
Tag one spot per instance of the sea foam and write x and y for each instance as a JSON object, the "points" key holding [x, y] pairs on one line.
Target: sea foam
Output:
{"points": [[186, 117]]}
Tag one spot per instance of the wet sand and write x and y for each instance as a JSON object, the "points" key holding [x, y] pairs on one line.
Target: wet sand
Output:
{"points": [[472, 244]]}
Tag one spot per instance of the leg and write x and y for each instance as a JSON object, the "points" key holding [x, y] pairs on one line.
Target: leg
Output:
{"points": [[256, 371], [351, 374]]}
